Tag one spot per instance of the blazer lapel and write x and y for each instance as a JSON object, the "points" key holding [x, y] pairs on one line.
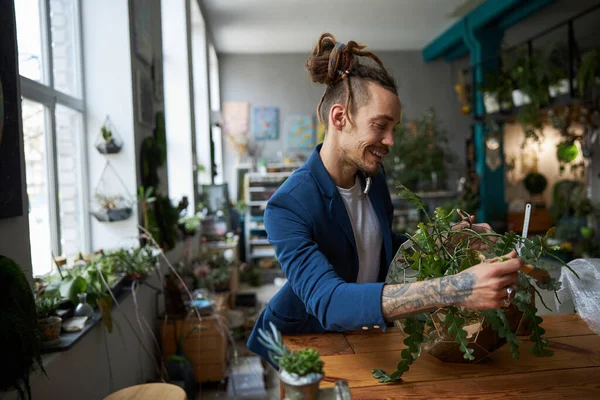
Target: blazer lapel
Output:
{"points": [[376, 197]]}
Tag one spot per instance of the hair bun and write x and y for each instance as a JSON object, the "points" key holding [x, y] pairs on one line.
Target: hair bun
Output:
{"points": [[319, 66]]}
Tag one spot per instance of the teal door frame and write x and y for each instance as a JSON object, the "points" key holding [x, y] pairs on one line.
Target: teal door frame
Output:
{"points": [[479, 34]]}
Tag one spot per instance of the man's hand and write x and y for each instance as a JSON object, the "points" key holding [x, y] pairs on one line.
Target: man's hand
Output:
{"points": [[480, 287], [490, 281], [469, 223]]}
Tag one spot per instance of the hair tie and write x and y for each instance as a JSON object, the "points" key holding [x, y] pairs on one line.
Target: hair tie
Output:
{"points": [[332, 71]]}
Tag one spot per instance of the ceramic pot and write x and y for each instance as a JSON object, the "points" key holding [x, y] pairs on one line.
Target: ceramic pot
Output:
{"points": [[520, 98], [491, 103], [50, 328], [300, 388]]}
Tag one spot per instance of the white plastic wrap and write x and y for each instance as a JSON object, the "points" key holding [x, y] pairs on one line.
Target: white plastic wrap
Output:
{"points": [[585, 291]]}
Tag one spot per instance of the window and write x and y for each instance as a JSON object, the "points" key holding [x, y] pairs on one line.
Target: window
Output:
{"points": [[48, 39], [215, 107]]}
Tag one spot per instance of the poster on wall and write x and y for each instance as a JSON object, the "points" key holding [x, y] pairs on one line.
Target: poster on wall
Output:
{"points": [[265, 123], [145, 98], [235, 118], [300, 132], [11, 197], [142, 29]]}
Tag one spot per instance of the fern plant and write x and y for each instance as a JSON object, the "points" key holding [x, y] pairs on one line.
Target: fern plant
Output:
{"points": [[439, 251]]}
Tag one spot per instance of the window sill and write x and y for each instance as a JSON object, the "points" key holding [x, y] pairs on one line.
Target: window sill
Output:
{"points": [[69, 339]]}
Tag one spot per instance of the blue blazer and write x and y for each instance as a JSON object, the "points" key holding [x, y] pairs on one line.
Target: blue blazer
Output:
{"points": [[307, 222]]}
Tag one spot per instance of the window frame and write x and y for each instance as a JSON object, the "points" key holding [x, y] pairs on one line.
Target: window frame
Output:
{"points": [[48, 96]]}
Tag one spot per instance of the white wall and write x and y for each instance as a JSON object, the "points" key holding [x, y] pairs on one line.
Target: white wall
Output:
{"points": [[108, 91], [178, 98], [280, 80]]}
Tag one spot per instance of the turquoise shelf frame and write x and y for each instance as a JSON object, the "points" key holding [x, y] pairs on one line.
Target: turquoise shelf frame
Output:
{"points": [[479, 35]]}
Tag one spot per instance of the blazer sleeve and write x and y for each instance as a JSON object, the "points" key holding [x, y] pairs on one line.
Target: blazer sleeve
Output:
{"points": [[338, 305]]}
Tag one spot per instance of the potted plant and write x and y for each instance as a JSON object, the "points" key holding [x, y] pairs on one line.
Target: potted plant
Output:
{"points": [[48, 322], [420, 154], [497, 92], [108, 142], [19, 335], [588, 74], [300, 372], [457, 334], [112, 208]]}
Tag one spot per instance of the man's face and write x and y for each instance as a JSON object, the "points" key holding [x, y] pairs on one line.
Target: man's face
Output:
{"points": [[364, 146]]}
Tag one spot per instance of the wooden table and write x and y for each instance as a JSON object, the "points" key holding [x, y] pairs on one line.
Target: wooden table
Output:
{"points": [[573, 372], [150, 391]]}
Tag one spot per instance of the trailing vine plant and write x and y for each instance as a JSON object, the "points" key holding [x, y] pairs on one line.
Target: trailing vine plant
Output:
{"points": [[439, 251]]}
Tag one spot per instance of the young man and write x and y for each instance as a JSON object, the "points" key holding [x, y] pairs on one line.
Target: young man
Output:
{"points": [[330, 222]]}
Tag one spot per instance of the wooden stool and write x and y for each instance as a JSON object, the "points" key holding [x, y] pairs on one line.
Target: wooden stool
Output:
{"points": [[150, 391]]}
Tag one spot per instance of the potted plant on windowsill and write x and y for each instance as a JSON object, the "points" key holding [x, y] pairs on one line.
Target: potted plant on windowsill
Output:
{"points": [[48, 322], [458, 334], [300, 372]]}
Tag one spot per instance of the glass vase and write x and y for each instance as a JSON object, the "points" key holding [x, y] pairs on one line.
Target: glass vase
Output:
{"points": [[83, 309]]}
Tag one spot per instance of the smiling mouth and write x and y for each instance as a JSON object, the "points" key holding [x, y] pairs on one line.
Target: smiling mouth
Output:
{"points": [[377, 154]]}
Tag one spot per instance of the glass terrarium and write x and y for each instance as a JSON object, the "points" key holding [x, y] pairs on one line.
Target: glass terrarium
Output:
{"points": [[111, 201], [108, 141]]}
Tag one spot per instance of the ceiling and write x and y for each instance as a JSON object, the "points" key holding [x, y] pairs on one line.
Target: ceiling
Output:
{"points": [[290, 26]]}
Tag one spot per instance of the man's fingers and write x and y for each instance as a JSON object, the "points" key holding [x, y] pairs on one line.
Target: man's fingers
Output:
{"points": [[509, 266]]}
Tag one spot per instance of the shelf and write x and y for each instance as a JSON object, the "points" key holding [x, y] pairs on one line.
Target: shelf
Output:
{"points": [[263, 253], [257, 203], [259, 241]]}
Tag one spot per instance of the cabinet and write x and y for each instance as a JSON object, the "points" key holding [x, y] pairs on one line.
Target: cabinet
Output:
{"points": [[205, 344], [258, 189]]}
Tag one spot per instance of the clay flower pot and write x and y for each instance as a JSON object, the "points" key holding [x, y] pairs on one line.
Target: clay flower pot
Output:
{"points": [[50, 328]]}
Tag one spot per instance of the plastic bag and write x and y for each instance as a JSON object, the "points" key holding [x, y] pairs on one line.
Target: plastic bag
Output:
{"points": [[584, 291]]}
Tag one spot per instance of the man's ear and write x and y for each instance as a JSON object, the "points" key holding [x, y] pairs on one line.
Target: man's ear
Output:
{"points": [[337, 116]]}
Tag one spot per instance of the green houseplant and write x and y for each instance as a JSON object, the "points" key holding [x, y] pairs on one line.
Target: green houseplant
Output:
{"points": [[588, 73], [420, 154], [19, 332], [300, 372], [451, 331], [49, 324]]}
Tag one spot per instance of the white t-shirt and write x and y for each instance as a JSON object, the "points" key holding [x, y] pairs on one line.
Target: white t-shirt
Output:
{"points": [[367, 232]]}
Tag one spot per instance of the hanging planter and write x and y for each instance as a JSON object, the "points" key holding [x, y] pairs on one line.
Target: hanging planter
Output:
{"points": [[108, 142], [111, 201]]}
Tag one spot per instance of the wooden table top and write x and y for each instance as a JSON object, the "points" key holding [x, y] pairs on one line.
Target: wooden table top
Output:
{"points": [[573, 371]]}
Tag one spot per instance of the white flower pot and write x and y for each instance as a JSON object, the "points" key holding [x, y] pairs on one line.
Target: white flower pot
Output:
{"points": [[562, 87], [520, 98], [491, 103]]}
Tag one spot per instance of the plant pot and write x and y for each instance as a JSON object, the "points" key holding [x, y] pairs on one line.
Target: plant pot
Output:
{"points": [[50, 328], [491, 102], [300, 388], [110, 147], [113, 215], [562, 87], [520, 98]]}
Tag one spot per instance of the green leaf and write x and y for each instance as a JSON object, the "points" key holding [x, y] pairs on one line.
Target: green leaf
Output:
{"points": [[455, 327], [540, 344], [377, 373], [499, 323], [71, 286], [411, 197]]}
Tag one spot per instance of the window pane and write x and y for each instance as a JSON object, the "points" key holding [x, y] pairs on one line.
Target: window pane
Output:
{"points": [[65, 48], [34, 134], [68, 133], [29, 39]]}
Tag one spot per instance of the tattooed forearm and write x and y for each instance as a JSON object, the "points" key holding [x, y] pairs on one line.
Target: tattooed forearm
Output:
{"points": [[404, 300]]}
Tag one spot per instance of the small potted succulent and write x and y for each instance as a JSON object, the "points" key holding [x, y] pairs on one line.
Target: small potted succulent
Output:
{"points": [[112, 208], [48, 322], [300, 372]]}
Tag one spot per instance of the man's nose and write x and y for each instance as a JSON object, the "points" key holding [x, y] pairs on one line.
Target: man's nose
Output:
{"points": [[388, 139]]}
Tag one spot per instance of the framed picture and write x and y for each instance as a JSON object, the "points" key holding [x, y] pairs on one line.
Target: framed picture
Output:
{"points": [[11, 196], [142, 29], [300, 132], [145, 98], [265, 123]]}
